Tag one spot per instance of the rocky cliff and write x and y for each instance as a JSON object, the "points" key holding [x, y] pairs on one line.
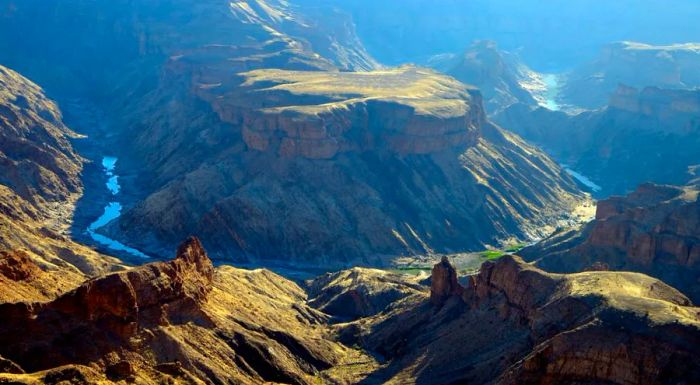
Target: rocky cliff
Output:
{"points": [[633, 64], [181, 321], [654, 230], [516, 324], [644, 135]]}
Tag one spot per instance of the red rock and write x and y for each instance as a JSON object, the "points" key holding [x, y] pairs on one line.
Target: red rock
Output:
{"points": [[443, 283]]}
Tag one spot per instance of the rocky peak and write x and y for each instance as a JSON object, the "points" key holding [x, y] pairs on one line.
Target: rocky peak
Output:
{"points": [[443, 282]]}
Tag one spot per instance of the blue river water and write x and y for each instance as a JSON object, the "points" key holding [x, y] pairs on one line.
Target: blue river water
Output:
{"points": [[112, 211], [552, 83], [583, 179]]}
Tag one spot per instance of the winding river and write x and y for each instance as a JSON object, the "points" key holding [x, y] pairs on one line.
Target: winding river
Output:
{"points": [[112, 211]]}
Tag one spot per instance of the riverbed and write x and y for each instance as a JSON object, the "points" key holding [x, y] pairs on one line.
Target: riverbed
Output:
{"points": [[112, 211]]}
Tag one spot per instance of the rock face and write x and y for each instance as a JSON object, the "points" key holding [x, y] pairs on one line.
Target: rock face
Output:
{"points": [[180, 321], [636, 65], [605, 145], [516, 324], [443, 282], [655, 230]]}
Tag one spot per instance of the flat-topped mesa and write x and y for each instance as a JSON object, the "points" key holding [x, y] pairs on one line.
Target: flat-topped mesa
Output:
{"points": [[317, 115], [443, 283]]}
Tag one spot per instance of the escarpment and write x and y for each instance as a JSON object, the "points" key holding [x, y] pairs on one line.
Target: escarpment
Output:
{"points": [[633, 64], [620, 146], [518, 324]]}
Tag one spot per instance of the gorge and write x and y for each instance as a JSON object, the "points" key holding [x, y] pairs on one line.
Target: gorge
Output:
{"points": [[322, 192]]}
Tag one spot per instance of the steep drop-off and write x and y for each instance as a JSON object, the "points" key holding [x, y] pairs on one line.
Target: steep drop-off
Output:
{"points": [[634, 64]]}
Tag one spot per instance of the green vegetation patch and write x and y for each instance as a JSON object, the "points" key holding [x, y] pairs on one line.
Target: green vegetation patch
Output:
{"points": [[515, 248], [492, 254]]}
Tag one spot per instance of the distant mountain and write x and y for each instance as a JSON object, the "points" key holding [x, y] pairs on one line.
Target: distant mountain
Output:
{"points": [[647, 135], [550, 35], [632, 64], [501, 76], [654, 230]]}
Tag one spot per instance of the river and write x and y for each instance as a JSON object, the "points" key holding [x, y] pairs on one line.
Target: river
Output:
{"points": [[112, 211], [551, 94]]}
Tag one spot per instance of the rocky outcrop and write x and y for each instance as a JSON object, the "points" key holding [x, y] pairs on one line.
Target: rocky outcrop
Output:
{"points": [[104, 313], [636, 65], [518, 324], [182, 321], [443, 282], [655, 230]]}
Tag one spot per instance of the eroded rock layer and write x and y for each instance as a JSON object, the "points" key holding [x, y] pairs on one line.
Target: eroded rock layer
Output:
{"points": [[366, 164], [643, 135]]}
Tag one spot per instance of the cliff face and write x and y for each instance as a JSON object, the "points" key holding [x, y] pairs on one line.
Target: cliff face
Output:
{"points": [[39, 185], [605, 145], [633, 64], [516, 324], [655, 230]]}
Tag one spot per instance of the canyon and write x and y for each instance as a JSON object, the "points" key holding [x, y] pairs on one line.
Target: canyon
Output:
{"points": [[267, 192], [266, 134]]}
